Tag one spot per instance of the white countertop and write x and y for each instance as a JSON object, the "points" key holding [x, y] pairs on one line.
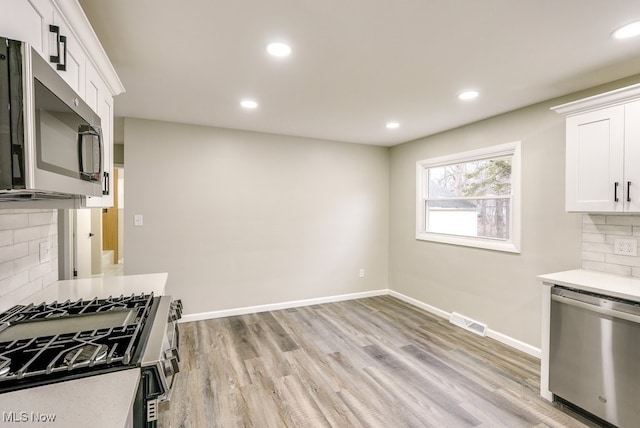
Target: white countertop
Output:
{"points": [[100, 287], [102, 401], [597, 282]]}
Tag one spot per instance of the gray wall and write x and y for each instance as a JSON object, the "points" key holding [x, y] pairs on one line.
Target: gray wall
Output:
{"points": [[496, 288], [241, 219], [118, 154]]}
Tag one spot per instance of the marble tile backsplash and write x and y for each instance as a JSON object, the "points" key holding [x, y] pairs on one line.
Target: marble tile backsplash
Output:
{"points": [[598, 235], [21, 271]]}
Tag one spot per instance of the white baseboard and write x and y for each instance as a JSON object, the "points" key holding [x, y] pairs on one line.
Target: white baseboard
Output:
{"points": [[503, 338], [419, 304], [278, 306], [515, 343]]}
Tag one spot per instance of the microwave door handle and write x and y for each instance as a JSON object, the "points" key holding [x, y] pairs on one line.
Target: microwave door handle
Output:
{"points": [[106, 186], [95, 132], [81, 134]]}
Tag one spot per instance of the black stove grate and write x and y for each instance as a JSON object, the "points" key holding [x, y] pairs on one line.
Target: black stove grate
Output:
{"points": [[78, 307], [54, 356]]}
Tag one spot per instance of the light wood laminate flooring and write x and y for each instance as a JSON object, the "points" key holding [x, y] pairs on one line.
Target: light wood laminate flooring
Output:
{"points": [[374, 362]]}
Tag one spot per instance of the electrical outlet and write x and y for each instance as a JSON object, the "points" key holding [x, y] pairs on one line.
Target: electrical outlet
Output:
{"points": [[625, 247]]}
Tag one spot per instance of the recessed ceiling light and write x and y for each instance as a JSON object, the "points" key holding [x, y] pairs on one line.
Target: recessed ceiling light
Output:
{"points": [[627, 31], [249, 104], [393, 125], [279, 49], [468, 95]]}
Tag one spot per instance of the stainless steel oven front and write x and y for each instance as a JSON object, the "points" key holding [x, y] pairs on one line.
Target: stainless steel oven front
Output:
{"points": [[159, 363]]}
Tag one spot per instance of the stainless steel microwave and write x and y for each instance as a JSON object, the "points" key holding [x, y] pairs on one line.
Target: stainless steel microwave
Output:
{"points": [[50, 139]]}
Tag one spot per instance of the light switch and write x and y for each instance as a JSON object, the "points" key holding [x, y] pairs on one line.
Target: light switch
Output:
{"points": [[138, 220], [45, 252]]}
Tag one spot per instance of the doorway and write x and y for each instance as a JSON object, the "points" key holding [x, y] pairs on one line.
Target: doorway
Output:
{"points": [[112, 229], [90, 241]]}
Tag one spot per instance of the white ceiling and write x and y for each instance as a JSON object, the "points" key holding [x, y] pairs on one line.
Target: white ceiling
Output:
{"points": [[357, 64]]}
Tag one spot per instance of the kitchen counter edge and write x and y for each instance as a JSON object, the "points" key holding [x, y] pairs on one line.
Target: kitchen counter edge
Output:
{"points": [[100, 287], [623, 287]]}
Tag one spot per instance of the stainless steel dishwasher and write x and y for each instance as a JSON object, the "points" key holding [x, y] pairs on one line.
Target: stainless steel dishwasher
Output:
{"points": [[594, 354]]}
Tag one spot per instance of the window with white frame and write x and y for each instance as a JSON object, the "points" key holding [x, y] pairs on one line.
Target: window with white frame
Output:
{"points": [[471, 198]]}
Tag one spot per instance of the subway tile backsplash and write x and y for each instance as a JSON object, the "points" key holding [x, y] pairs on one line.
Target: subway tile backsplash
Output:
{"points": [[599, 233], [21, 271]]}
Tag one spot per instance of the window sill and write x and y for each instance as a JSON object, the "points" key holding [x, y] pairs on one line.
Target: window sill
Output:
{"points": [[465, 241]]}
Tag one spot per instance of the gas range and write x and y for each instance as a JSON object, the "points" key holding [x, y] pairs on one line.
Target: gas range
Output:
{"points": [[46, 343]]}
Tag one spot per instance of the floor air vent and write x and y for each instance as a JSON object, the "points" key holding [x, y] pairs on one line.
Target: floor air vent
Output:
{"points": [[468, 324]]}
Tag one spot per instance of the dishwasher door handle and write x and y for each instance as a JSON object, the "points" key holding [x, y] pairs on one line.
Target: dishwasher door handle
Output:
{"points": [[598, 309]]}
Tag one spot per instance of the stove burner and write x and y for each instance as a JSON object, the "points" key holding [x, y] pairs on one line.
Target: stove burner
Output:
{"points": [[5, 370], [86, 354]]}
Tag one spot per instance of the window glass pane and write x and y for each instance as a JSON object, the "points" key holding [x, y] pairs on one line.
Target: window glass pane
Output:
{"points": [[487, 177], [484, 218]]}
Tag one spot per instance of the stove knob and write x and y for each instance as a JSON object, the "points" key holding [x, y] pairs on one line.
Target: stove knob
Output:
{"points": [[171, 366], [176, 310], [179, 308]]}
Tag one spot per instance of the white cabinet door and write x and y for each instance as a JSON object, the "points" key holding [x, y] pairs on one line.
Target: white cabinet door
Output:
{"points": [[73, 56], [100, 100], [632, 157], [27, 21], [30, 21], [82, 243], [595, 160]]}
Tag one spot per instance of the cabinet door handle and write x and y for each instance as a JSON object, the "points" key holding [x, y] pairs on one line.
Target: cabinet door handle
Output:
{"points": [[62, 63], [106, 189], [58, 58], [615, 191], [628, 191], [55, 30]]}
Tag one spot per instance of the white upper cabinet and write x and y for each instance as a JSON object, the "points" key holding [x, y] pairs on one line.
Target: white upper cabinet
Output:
{"points": [[71, 65], [603, 152], [41, 24], [595, 160]]}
